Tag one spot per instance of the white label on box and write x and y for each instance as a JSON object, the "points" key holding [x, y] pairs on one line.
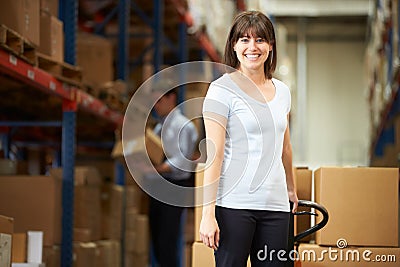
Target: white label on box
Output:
{"points": [[35, 247], [28, 265], [52, 86], [31, 74], [5, 250], [13, 60]]}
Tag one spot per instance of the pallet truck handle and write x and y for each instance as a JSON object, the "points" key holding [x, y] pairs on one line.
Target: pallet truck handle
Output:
{"points": [[324, 221]]}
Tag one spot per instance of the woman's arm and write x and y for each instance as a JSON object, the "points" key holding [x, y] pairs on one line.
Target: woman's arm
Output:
{"points": [[288, 165], [215, 127]]}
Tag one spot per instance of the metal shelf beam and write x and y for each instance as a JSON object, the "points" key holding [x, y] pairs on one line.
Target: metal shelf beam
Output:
{"points": [[45, 82], [68, 164], [68, 13], [123, 39], [158, 34]]}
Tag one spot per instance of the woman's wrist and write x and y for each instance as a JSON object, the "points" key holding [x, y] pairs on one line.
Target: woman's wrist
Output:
{"points": [[209, 210]]}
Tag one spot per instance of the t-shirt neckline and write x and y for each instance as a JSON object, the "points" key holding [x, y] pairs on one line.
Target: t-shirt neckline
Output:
{"points": [[252, 98]]}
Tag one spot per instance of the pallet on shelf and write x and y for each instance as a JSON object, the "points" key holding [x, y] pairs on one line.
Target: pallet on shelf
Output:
{"points": [[16, 44], [63, 71]]}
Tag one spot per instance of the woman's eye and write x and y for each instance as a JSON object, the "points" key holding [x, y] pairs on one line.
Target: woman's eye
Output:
{"points": [[244, 40], [259, 40]]}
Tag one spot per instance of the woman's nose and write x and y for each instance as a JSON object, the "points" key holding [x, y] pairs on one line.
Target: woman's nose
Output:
{"points": [[252, 44]]}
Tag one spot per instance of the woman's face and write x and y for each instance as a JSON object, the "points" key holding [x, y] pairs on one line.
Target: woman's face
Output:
{"points": [[252, 52]]}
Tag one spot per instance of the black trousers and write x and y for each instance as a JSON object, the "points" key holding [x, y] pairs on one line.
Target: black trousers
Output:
{"points": [[260, 234], [165, 225]]}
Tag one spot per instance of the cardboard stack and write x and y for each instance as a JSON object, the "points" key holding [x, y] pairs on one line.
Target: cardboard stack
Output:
{"points": [[137, 233], [303, 181], [97, 220], [95, 56], [23, 198], [112, 204], [363, 224], [49, 6], [23, 17], [51, 36]]}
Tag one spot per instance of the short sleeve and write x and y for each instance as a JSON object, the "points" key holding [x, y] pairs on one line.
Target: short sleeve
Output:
{"points": [[217, 100], [289, 100]]}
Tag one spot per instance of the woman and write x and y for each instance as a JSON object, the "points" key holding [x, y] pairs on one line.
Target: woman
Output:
{"points": [[249, 154]]}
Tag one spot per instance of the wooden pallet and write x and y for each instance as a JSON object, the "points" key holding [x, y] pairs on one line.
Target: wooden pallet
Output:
{"points": [[16, 44], [63, 71]]}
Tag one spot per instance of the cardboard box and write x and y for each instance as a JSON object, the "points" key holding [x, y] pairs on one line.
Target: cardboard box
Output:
{"points": [[362, 204], [87, 209], [108, 254], [312, 255], [32, 21], [303, 181], [134, 259], [112, 203], [83, 175], [130, 219], [154, 147], [142, 234], [82, 235], [35, 247], [147, 145], [130, 241], [198, 182], [35, 204], [8, 167], [19, 247], [84, 254], [23, 17], [51, 37], [5, 250], [6, 225], [204, 256], [49, 6], [52, 256], [133, 196], [188, 255], [94, 55]]}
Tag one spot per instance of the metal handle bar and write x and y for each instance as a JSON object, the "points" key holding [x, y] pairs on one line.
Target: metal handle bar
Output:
{"points": [[324, 221]]}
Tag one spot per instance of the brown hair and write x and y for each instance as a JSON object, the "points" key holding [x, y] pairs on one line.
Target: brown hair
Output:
{"points": [[252, 23]]}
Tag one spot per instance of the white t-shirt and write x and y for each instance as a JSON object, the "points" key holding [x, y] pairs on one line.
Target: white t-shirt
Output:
{"points": [[252, 175]]}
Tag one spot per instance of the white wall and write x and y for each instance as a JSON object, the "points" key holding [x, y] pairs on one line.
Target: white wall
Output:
{"points": [[337, 118], [337, 108]]}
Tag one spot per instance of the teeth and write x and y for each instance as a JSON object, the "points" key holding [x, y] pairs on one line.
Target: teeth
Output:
{"points": [[252, 56]]}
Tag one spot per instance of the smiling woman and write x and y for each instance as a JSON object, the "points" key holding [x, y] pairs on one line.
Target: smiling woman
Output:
{"points": [[246, 121]]}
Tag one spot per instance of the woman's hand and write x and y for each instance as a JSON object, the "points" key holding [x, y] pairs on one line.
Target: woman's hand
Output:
{"points": [[293, 198], [209, 231]]}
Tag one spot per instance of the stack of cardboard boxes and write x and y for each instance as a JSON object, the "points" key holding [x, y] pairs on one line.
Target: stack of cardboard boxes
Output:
{"points": [[303, 181], [34, 203], [37, 22], [95, 55], [96, 238], [137, 232], [363, 218]]}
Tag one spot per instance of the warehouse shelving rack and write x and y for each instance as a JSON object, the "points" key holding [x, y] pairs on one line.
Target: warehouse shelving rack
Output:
{"points": [[385, 132], [74, 99]]}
